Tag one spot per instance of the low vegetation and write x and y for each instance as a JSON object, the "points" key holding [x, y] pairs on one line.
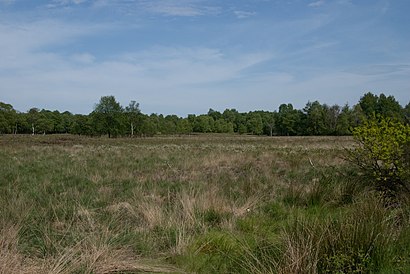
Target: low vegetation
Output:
{"points": [[194, 204], [383, 154]]}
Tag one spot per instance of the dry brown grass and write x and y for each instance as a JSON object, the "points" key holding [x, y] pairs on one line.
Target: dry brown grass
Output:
{"points": [[88, 256]]}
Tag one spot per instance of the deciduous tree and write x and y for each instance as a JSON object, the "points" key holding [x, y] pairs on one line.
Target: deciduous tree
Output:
{"points": [[132, 112], [107, 116]]}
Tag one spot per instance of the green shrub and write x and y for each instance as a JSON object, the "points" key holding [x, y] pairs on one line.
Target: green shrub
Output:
{"points": [[382, 154]]}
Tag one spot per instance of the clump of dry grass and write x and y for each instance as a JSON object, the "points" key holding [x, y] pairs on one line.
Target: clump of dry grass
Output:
{"points": [[90, 255], [10, 259], [101, 258]]}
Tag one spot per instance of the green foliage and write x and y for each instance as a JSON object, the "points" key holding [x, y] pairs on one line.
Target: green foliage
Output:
{"points": [[107, 116], [132, 112], [288, 120], [112, 119], [406, 111], [8, 118], [386, 106], [346, 262], [254, 123], [382, 153], [316, 118]]}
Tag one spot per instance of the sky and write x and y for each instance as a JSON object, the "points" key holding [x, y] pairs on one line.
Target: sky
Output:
{"points": [[187, 56]]}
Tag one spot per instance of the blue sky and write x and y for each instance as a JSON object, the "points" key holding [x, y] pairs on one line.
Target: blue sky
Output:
{"points": [[186, 56]]}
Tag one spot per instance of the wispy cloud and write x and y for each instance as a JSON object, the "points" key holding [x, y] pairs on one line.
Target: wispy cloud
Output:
{"points": [[381, 69], [39, 72], [85, 48], [188, 8], [7, 2], [28, 47], [316, 4], [240, 14], [34, 35], [62, 3], [173, 10]]}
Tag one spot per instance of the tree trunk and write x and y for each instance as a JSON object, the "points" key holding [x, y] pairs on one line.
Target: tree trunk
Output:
{"points": [[132, 130], [32, 127]]}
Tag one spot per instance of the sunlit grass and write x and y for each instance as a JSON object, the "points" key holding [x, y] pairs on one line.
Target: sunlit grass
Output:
{"points": [[205, 204]]}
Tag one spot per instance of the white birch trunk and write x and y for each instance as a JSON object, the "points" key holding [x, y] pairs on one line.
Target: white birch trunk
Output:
{"points": [[132, 130]]}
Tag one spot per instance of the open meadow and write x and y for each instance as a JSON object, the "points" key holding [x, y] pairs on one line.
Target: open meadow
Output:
{"points": [[193, 204]]}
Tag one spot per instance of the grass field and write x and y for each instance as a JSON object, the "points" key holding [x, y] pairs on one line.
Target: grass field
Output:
{"points": [[193, 204]]}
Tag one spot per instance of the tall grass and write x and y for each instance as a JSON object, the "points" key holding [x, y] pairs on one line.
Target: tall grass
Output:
{"points": [[359, 239], [204, 204]]}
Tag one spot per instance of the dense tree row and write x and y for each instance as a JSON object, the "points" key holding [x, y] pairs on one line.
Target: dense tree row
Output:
{"points": [[111, 119]]}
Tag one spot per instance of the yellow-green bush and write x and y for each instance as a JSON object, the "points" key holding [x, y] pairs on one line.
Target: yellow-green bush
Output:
{"points": [[383, 154]]}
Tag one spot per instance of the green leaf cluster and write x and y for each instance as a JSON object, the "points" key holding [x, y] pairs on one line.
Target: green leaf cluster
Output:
{"points": [[383, 153]]}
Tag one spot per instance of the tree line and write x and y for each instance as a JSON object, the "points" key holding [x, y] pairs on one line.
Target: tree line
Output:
{"points": [[111, 119]]}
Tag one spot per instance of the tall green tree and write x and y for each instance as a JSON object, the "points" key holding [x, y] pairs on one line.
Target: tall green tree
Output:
{"points": [[132, 111], [184, 126], [66, 121], [357, 116], [269, 120], [222, 126], [289, 120], [204, 124], [343, 125], [368, 104], [388, 106], [82, 125], [149, 125], [22, 124], [254, 123], [315, 118], [382, 105], [107, 116], [8, 118], [332, 116], [232, 116], [216, 115], [46, 122], [32, 118]]}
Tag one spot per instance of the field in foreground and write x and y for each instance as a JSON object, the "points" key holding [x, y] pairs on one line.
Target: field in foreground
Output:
{"points": [[195, 204]]}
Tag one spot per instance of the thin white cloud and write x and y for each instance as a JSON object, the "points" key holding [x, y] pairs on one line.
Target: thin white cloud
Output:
{"points": [[31, 71], [39, 67], [7, 2], [64, 3], [316, 4], [174, 10], [184, 8], [22, 46], [381, 69], [244, 14]]}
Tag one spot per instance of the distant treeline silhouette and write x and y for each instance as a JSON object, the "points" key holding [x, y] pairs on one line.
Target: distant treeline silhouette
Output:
{"points": [[111, 119]]}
